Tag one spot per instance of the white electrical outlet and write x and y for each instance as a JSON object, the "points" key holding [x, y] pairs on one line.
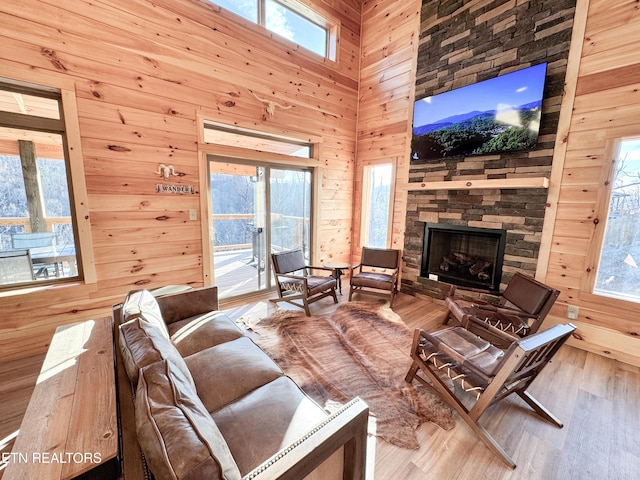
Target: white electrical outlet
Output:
{"points": [[193, 214], [433, 276], [572, 312]]}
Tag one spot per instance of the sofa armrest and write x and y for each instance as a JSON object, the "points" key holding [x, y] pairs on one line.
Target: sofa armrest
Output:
{"points": [[345, 428], [189, 303]]}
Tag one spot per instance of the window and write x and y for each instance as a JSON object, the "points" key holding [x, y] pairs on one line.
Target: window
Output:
{"points": [[376, 205], [37, 228], [235, 137], [289, 19], [245, 8], [619, 267], [257, 209]]}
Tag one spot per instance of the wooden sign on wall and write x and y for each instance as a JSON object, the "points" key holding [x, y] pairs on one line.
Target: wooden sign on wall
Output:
{"points": [[175, 189]]}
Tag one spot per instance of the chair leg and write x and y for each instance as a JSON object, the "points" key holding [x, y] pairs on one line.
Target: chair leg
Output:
{"points": [[305, 305], [449, 397], [333, 294], [490, 442], [412, 372], [539, 408]]}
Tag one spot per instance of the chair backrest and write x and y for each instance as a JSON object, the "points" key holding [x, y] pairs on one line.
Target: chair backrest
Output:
{"points": [[380, 257], [535, 351], [287, 262], [33, 240], [15, 267], [521, 364], [529, 295]]}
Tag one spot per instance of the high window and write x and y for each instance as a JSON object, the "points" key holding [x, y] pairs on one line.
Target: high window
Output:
{"points": [[619, 266], [289, 19], [376, 205], [37, 227], [242, 138]]}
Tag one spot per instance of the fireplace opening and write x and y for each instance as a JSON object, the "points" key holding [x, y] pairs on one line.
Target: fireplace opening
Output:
{"points": [[464, 256]]}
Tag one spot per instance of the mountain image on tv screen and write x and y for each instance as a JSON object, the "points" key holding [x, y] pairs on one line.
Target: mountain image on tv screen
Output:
{"points": [[497, 115]]}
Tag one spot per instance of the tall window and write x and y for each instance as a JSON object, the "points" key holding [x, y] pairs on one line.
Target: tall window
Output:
{"points": [[37, 230], [376, 205], [289, 19], [619, 267]]}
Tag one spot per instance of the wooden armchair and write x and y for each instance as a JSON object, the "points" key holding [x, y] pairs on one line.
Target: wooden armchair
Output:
{"points": [[486, 373], [520, 310], [377, 270], [295, 283]]}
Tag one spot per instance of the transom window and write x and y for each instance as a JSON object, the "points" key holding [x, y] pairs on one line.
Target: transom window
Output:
{"points": [[289, 19], [217, 134], [619, 266], [37, 227]]}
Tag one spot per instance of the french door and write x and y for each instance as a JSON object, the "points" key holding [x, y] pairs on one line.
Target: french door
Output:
{"points": [[257, 209]]}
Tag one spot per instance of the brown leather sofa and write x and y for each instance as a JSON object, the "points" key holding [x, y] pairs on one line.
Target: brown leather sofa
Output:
{"points": [[198, 399]]}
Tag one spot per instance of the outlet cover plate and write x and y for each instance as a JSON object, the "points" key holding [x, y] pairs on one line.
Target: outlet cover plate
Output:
{"points": [[572, 312]]}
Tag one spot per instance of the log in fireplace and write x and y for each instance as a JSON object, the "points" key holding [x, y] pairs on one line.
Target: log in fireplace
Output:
{"points": [[465, 256]]}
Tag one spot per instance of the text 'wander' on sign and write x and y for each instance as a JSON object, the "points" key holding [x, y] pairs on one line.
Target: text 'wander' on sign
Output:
{"points": [[176, 189]]}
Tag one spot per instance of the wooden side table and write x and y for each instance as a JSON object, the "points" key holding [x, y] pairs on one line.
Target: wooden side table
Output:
{"points": [[337, 268], [70, 426]]}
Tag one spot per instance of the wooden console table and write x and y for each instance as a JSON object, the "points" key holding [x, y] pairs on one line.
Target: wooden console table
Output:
{"points": [[70, 426]]}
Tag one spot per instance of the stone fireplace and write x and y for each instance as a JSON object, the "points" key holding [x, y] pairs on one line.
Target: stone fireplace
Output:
{"points": [[515, 215], [462, 43], [465, 256]]}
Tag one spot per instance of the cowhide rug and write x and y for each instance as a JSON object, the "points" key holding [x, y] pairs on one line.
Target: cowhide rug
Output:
{"points": [[362, 349]]}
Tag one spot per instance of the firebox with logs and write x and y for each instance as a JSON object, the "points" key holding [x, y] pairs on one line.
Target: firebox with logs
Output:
{"points": [[474, 265], [465, 256]]}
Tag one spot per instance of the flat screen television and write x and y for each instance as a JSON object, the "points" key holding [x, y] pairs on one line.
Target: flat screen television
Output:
{"points": [[498, 115]]}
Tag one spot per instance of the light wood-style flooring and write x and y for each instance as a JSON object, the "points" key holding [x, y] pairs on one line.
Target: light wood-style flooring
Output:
{"points": [[597, 399]]}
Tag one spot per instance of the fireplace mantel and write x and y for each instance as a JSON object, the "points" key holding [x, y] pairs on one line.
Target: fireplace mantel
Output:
{"points": [[494, 183]]}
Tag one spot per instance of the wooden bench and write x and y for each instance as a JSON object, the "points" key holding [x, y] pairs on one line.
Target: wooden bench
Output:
{"points": [[70, 427]]}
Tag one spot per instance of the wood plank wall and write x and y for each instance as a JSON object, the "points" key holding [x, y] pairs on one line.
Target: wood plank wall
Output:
{"points": [[606, 108], [144, 72], [390, 34]]}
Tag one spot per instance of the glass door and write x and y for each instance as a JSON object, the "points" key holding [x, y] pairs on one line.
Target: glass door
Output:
{"points": [[290, 210], [256, 210]]}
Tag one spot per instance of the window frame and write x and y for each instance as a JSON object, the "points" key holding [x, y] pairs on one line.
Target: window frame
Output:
{"points": [[68, 127], [612, 150], [330, 26]]}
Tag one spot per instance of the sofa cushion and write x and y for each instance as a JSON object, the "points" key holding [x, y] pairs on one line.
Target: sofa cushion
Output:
{"points": [[142, 303], [142, 343], [177, 435], [230, 370], [199, 332], [269, 418]]}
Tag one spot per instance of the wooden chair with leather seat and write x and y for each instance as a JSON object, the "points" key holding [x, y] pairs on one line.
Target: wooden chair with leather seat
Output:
{"points": [[377, 270], [519, 311], [466, 369], [295, 282]]}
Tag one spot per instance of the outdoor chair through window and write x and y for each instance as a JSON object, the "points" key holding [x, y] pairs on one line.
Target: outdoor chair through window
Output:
{"points": [[39, 241], [377, 271], [520, 310], [471, 374], [295, 282], [15, 267]]}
